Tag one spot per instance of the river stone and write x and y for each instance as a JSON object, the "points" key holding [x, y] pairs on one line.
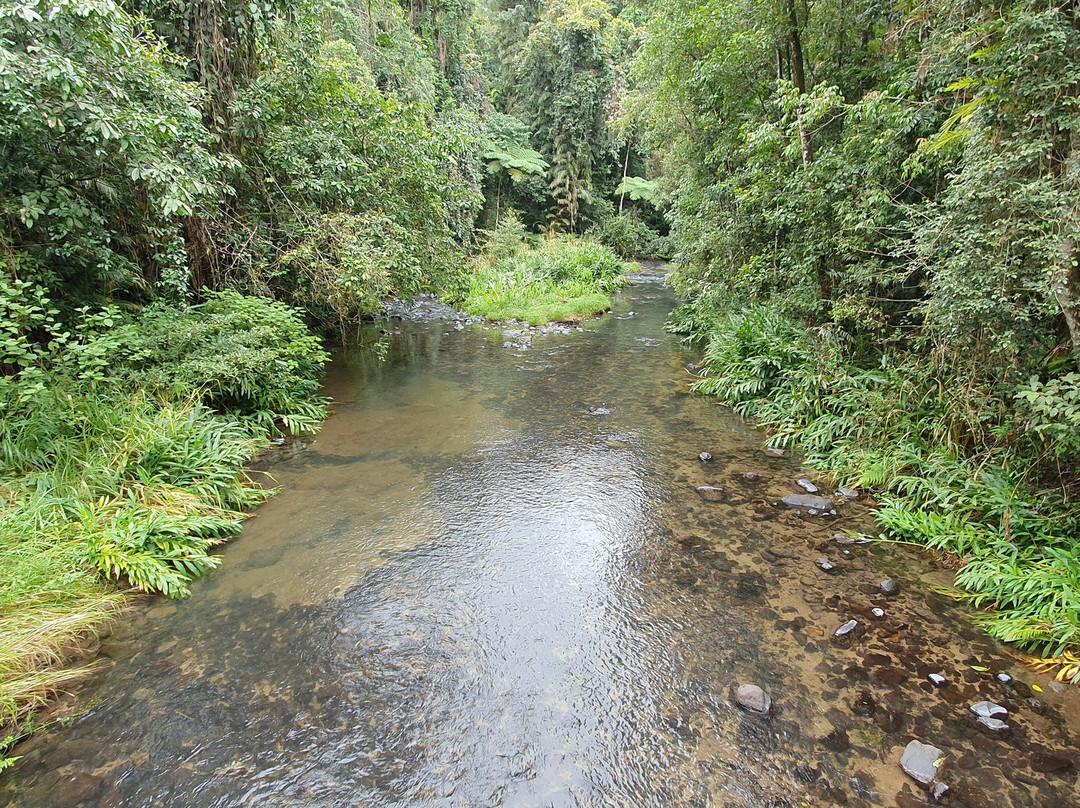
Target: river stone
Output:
{"points": [[937, 679], [987, 709], [939, 790], [825, 564], [806, 501], [993, 724], [1051, 761], [704, 457], [751, 476], [772, 451], [710, 493], [77, 788], [846, 629], [837, 740], [753, 699], [921, 761], [878, 612], [1004, 678], [848, 493], [806, 485], [889, 588]]}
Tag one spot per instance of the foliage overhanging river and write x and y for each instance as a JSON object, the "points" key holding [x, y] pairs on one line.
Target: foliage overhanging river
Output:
{"points": [[490, 581]]}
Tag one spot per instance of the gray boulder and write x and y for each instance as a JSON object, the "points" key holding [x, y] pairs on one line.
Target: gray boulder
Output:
{"points": [[921, 761]]}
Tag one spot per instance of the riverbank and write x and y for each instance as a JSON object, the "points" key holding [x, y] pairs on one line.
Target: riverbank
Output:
{"points": [[957, 468], [123, 449]]}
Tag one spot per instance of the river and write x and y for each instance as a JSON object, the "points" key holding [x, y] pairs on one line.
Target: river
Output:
{"points": [[490, 581]]}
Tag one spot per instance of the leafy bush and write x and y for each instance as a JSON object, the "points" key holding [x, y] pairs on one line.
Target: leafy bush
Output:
{"points": [[138, 427], [564, 280], [630, 237]]}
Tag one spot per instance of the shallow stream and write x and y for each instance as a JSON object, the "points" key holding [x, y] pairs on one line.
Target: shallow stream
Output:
{"points": [[490, 581]]}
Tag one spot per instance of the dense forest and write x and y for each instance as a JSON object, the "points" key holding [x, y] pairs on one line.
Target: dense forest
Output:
{"points": [[873, 210]]}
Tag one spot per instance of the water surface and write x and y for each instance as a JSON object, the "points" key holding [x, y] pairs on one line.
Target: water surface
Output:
{"points": [[490, 582]]}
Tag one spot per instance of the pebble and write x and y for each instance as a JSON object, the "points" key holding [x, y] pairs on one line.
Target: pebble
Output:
{"points": [[921, 761], [878, 613], [846, 629], [939, 790], [753, 699], [772, 451], [825, 564], [937, 679], [751, 476], [987, 709], [889, 587], [710, 493], [704, 457], [848, 493], [1004, 678], [806, 485]]}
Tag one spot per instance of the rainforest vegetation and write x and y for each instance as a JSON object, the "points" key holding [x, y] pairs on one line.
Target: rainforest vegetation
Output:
{"points": [[873, 210]]}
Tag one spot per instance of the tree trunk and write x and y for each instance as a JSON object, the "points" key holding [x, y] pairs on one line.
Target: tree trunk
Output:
{"points": [[625, 165], [798, 78]]}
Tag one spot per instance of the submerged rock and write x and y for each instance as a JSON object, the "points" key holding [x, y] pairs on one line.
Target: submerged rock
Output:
{"points": [[806, 502], [825, 564], [847, 493], [1051, 761], [837, 741], [921, 761], [987, 709], [846, 629], [994, 724], [889, 588], [710, 493], [772, 451], [704, 457], [753, 699], [806, 485]]}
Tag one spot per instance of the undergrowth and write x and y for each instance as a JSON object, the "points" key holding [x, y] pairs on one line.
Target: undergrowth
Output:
{"points": [[123, 440], [564, 279], [962, 462]]}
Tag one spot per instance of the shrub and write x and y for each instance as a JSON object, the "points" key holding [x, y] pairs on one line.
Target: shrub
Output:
{"points": [[566, 279]]}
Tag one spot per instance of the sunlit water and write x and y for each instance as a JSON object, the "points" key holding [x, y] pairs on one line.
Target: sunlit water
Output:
{"points": [[490, 582]]}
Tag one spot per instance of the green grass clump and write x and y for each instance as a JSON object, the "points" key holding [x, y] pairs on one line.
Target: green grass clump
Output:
{"points": [[962, 463], [565, 279], [123, 442]]}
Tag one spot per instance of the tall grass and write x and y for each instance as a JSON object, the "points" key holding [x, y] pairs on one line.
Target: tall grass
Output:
{"points": [[962, 463], [565, 279]]}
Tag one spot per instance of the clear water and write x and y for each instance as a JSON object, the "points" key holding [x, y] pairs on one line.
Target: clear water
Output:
{"points": [[490, 582]]}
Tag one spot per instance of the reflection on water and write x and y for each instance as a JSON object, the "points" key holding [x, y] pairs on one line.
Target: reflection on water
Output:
{"points": [[490, 582]]}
